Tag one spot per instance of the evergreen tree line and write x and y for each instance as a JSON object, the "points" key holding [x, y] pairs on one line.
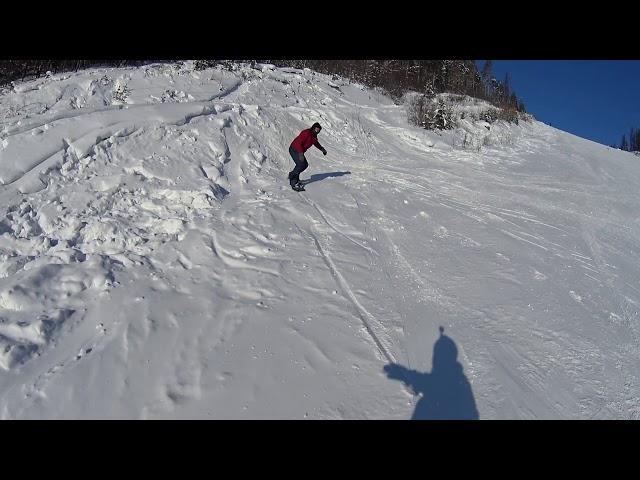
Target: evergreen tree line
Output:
{"points": [[632, 144], [429, 77]]}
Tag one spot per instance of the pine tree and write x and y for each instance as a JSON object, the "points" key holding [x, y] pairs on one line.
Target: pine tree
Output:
{"points": [[513, 101], [487, 75], [521, 107], [506, 92]]}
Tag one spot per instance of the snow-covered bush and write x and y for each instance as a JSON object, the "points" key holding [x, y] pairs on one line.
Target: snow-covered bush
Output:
{"points": [[121, 92], [445, 111], [431, 113]]}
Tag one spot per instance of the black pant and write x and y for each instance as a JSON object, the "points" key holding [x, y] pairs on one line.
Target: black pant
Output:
{"points": [[301, 166]]}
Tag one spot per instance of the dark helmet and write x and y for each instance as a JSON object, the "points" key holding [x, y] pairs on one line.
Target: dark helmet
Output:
{"points": [[316, 125]]}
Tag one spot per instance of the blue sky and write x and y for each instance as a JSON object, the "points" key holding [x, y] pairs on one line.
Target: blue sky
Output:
{"points": [[594, 99]]}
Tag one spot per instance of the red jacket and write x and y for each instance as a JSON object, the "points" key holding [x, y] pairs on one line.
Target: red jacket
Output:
{"points": [[303, 142]]}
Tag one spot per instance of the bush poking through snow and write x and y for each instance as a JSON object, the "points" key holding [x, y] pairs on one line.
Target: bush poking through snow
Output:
{"points": [[120, 93], [431, 114], [444, 111]]}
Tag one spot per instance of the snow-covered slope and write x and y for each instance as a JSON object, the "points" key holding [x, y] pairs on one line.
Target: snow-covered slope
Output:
{"points": [[156, 264]]}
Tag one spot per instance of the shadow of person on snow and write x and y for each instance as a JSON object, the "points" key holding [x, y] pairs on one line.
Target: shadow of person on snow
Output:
{"points": [[445, 392], [316, 177]]}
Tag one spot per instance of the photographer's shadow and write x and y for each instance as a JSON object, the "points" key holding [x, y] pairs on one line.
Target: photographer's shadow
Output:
{"points": [[445, 392]]}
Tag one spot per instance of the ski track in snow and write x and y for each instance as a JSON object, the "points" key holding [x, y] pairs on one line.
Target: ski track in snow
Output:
{"points": [[155, 263]]}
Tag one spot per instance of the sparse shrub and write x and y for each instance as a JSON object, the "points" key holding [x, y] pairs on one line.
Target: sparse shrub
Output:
{"points": [[121, 92], [204, 64], [431, 114]]}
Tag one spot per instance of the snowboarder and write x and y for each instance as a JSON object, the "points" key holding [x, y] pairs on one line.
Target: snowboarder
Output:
{"points": [[301, 144]]}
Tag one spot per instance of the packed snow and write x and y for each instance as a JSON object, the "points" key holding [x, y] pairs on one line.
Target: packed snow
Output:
{"points": [[155, 262]]}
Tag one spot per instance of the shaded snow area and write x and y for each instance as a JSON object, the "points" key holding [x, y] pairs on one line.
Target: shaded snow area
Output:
{"points": [[155, 262]]}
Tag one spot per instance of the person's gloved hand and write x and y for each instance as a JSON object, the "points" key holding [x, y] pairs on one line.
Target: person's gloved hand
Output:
{"points": [[324, 151]]}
